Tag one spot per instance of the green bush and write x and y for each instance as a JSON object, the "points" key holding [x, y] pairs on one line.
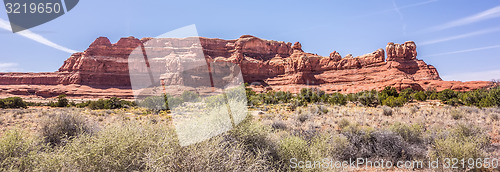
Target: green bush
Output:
{"points": [[473, 98], [410, 133], [255, 100], [433, 96], [446, 95], [368, 98], [294, 147], [155, 103], [12, 102], [16, 151], [453, 102], [386, 92], [188, 96], [312, 95], [337, 99], [394, 101], [215, 100], [494, 96], [111, 103], [406, 94], [420, 96], [62, 101]]}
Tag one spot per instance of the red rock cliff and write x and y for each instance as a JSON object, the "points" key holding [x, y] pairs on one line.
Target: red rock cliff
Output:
{"points": [[265, 64]]}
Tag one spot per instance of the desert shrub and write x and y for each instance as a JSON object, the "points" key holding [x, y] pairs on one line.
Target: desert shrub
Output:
{"points": [[352, 97], [99, 104], [253, 135], [420, 96], [368, 98], [453, 102], [111, 103], [255, 100], [456, 114], [303, 117], [371, 143], [188, 96], [283, 97], [343, 123], [279, 125], [17, 151], [394, 101], [433, 96], [494, 96], [337, 99], [129, 146], [473, 98], [114, 103], [13, 102], [173, 101], [83, 104], [463, 141], [317, 109], [429, 91], [62, 101], [269, 98], [326, 145], [293, 147], [155, 103], [494, 117], [487, 102], [410, 133], [59, 128], [215, 100], [386, 92], [386, 111], [312, 95], [2, 104], [446, 95], [406, 94]]}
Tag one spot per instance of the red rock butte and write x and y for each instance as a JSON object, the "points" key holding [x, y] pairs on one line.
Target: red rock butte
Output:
{"points": [[102, 71]]}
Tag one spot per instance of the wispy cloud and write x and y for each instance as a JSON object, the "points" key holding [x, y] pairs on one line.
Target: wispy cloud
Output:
{"points": [[33, 36], [473, 76], [466, 35], [464, 51], [398, 8], [484, 15], [9, 67]]}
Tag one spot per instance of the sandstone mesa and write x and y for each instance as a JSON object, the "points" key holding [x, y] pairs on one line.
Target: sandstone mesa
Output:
{"points": [[102, 71]]}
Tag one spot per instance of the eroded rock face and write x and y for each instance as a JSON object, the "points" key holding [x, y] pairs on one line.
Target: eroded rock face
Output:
{"points": [[265, 64], [406, 51]]}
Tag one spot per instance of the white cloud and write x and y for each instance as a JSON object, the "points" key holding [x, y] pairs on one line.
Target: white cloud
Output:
{"points": [[476, 33], [8, 67], [484, 15], [473, 76], [33, 36], [465, 51]]}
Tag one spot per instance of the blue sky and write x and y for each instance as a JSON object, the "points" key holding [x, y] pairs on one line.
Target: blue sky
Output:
{"points": [[459, 37]]}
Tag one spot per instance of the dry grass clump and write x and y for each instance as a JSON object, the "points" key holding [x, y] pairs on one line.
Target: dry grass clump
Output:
{"points": [[386, 110], [366, 142], [57, 129], [463, 142]]}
